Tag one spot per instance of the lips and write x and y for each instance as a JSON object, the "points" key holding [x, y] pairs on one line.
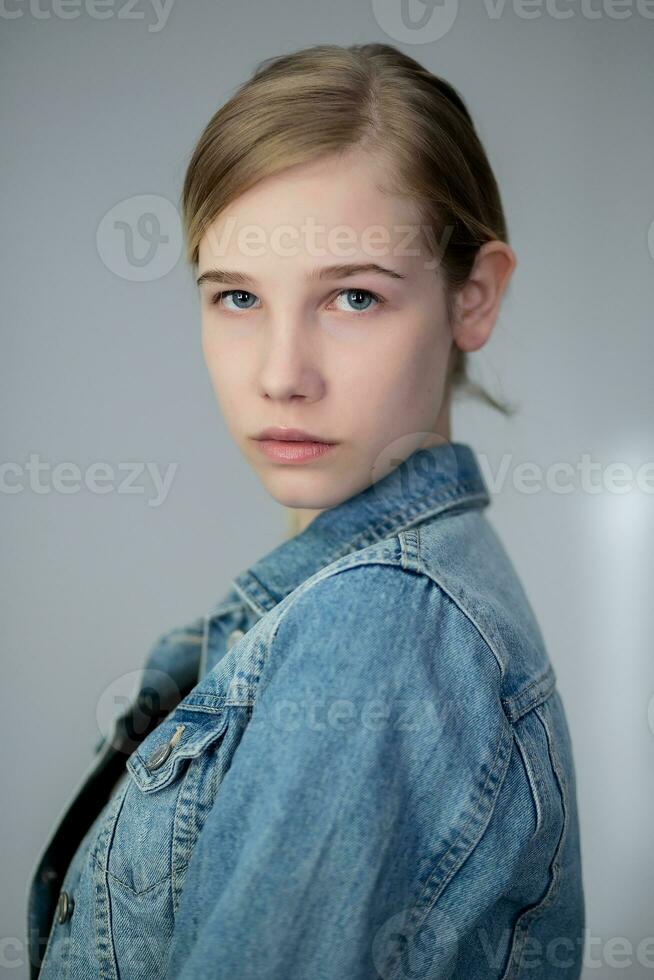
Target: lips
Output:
{"points": [[285, 434], [288, 446]]}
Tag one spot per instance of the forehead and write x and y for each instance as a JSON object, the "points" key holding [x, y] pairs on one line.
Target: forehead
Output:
{"points": [[337, 208]]}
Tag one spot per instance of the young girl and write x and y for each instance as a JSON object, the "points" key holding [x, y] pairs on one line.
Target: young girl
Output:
{"points": [[358, 765]]}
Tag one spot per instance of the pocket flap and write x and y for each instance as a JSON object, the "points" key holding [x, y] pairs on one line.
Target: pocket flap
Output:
{"points": [[184, 735]]}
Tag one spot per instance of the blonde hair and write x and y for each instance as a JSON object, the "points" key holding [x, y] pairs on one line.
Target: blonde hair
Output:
{"points": [[329, 98]]}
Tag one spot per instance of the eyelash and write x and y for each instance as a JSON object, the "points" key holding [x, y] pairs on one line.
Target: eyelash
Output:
{"points": [[379, 300]]}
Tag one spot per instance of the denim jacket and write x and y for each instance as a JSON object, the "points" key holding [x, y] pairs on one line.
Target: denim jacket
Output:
{"points": [[358, 766]]}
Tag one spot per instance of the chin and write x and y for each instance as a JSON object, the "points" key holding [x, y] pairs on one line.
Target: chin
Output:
{"points": [[304, 490]]}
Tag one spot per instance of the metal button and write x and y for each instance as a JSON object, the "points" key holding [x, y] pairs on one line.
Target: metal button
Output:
{"points": [[234, 637], [65, 906], [161, 753], [159, 756]]}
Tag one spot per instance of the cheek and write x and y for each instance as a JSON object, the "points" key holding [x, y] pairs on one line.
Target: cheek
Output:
{"points": [[424, 379], [218, 359], [208, 344], [401, 378]]}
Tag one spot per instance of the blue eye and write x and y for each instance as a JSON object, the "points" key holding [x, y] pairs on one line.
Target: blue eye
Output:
{"points": [[365, 293], [359, 300], [215, 300]]}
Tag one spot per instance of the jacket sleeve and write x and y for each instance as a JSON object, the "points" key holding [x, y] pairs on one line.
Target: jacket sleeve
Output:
{"points": [[355, 778]]}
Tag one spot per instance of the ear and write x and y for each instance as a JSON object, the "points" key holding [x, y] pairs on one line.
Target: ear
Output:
{"points": [[478, 301]]}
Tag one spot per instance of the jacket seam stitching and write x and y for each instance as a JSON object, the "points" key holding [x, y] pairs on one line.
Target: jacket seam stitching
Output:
{"points": [[526, 918], [303, 591], [465, 612], [531, 780], [135, 891], [539, 697], [504, 744], [372, 536], [103, 912], [469, 822]]}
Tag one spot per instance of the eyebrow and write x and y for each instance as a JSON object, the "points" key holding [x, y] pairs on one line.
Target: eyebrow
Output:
{"points": [[236, 278]]}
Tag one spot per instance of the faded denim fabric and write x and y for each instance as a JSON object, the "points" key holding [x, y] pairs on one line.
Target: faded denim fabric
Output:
{"points": [[356, 767]]}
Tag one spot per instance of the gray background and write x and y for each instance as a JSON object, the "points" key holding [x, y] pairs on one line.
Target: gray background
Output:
{"points": [[99, 367]]}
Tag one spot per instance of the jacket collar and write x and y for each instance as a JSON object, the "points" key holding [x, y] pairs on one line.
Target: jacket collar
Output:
{"points": [[429, 481]]}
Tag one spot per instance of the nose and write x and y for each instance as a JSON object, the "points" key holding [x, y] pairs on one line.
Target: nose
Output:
{"points": [[289, 363]]}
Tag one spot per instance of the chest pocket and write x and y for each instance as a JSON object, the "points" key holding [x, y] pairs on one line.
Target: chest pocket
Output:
{"points": [[173, 779]]}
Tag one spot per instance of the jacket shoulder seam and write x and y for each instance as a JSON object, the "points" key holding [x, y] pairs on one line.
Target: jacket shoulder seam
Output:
{"points": [[410, 545]]}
